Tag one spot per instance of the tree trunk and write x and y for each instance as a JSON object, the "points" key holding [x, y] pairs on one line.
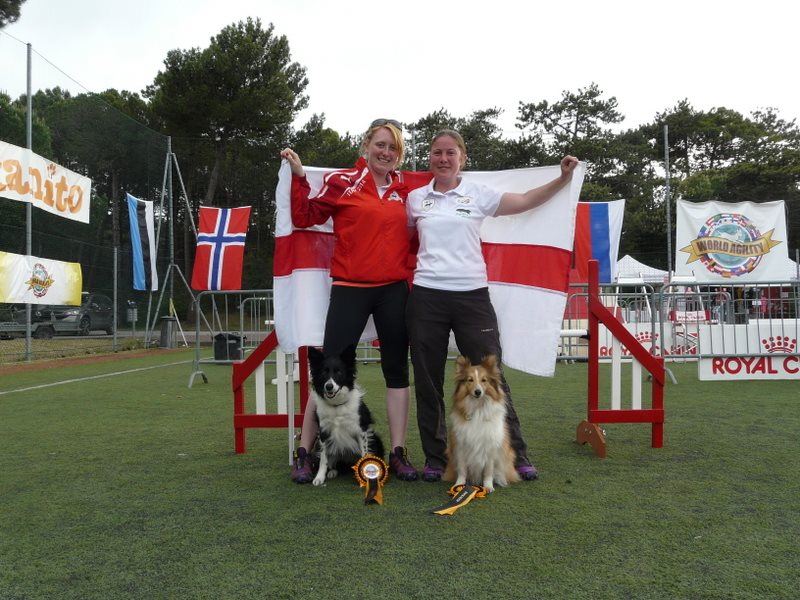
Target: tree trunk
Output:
{"points": [[98, 250], [212, 183]]}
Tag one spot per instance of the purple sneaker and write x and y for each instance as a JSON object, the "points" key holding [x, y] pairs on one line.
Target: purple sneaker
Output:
{"points": [[431, 474], [401, 466], [301, 467], [526, 471]]}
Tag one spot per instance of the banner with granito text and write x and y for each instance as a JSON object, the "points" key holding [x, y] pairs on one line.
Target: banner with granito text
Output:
{"points": [[34, 280], [731, 242], [28, 177]]}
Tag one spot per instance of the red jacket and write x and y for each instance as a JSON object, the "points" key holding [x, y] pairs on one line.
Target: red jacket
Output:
{"points": [[371, 233]]}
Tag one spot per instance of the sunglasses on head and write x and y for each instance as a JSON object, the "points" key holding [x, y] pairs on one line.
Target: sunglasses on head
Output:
{"points": [[382, 122]]}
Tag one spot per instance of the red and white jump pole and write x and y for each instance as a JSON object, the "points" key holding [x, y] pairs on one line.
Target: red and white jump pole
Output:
{"points": [[589, 430], [286, 417]]}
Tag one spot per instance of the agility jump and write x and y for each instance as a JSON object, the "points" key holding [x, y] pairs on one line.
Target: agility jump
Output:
{"points": [[589, 430]]}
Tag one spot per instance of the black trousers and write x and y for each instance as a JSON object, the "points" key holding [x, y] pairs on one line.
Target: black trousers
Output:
{"points": [[348, 311], [431, 315]]}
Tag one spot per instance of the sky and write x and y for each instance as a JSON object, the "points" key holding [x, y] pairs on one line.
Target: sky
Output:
{"points": [[403, 60]]}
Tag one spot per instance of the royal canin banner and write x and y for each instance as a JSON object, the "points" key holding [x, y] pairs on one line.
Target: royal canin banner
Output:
{"points": [[760, 349], [743, 242], [28, 177], [528, 259], [220, 248], [34, 280]]}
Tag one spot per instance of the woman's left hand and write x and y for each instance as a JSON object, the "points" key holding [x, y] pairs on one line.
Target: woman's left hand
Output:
{"points": [[568, 164]]}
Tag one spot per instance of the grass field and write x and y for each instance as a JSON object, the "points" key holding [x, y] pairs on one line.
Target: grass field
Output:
{"points": [[13, 351], [128, 487]]}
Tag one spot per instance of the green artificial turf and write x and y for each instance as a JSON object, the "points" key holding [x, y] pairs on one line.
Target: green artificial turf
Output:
{"points": [[128, 487]]}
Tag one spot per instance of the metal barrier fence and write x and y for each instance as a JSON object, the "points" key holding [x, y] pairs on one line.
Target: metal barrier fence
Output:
{"points": [[229, 324], [682, 322]]}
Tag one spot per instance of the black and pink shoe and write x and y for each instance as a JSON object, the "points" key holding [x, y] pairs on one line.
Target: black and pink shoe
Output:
{"points": [[400, 466], [431, 474], [526, 471], [302, 470]]}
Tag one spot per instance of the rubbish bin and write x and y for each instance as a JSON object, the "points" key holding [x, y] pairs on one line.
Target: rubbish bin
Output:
{"points": [[132, 312], [227, 346], [168, 332]]}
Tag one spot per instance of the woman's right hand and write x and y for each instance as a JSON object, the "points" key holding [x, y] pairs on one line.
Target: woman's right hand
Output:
{"points": [[294, 161]]}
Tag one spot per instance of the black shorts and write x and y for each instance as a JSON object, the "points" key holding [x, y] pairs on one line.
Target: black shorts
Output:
{"points": [[348, 311]]}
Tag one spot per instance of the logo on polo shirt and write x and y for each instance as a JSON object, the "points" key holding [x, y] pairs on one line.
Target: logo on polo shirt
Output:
{"points": [[463, 199], [394, 196], [463, 212], [427, 203], [355, 188]]}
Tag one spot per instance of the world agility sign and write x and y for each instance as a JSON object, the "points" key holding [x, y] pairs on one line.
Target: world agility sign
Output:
{"points": [[731, 242], [28, 177]]}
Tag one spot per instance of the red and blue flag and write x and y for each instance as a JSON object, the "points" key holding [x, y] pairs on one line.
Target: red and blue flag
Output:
{"points": [[220, 248], [598, 228]]}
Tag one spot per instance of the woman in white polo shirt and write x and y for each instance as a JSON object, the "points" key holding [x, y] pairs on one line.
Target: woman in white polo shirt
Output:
{"points": [[450, 291]]}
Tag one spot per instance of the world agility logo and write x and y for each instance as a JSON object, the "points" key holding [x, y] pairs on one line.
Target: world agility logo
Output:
{"points": [[730, 245], [40, 280]]}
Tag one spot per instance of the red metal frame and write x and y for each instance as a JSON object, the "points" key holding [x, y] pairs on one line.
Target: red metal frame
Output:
{"points": [[654, 365], [243, 370]]}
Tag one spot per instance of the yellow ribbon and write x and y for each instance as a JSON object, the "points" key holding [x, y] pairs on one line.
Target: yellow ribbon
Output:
{"points": [[462, 495]]}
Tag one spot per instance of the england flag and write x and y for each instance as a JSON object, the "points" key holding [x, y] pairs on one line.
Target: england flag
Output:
{"points": [[528, 258], [220, 248]]}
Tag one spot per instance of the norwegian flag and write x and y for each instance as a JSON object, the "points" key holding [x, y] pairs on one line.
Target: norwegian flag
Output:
{"points": [[220, 248]]}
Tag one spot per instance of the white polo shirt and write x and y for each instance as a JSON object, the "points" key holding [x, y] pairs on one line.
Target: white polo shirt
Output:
{"points": [[448, 224]]}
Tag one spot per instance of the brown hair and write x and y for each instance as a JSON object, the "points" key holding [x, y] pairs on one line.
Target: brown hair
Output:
{"points": [[396, 134], [452, 133]]}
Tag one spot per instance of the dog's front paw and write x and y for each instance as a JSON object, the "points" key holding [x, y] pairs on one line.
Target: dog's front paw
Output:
{"points": [[332, 473], [319, 479], [488, 486]]}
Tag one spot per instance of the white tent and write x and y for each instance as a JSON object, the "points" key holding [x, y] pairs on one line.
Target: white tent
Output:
{"points": [[791, 269], [630, 268]]}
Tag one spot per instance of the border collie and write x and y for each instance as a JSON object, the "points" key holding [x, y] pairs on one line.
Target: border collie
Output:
{"points": [[345, 423], [478, 449]]}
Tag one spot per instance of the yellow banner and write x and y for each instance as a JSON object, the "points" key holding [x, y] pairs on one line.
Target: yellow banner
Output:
{"points": [[34, 280], [718, 245]]}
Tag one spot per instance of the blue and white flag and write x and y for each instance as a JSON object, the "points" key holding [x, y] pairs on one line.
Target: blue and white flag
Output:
{"points": [[143, 244]]}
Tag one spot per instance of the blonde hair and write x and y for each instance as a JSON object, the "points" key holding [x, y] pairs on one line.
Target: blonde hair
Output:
{"points": [[396, 134], [452, 133]]}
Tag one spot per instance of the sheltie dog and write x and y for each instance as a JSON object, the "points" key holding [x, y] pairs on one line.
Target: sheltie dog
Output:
{"points": [[345, 423], [478, 448]]}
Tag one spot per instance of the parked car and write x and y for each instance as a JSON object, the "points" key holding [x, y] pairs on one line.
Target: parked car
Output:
{"points": [[95, 312], [39, 313], [13, 319]]}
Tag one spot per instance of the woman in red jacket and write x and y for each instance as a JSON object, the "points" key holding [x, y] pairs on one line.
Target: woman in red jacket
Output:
{"points": [[369, 271]]}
